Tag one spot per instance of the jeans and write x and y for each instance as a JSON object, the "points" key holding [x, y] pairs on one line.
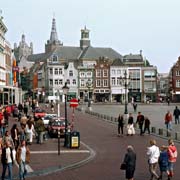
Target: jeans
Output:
{"points": [[3, 130], [169, 126], [22, 170], [176, 120], [5, 166], [40, 137]]}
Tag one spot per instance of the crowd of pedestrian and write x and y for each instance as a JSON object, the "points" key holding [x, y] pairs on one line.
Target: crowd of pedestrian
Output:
{"points": [[164, 157], [14, 141]]}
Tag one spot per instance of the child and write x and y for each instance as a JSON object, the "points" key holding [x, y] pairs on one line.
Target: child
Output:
{"points": [[163, 161]]}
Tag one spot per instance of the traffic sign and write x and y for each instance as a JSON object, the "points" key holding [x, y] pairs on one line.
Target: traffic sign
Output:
{"points": [[74, 103]]}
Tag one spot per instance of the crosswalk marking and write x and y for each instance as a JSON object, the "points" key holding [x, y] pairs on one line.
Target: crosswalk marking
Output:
{"points": [[62, 151]]}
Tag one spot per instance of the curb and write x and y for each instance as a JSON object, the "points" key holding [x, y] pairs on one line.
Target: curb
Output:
{"points": [[55, 169]]}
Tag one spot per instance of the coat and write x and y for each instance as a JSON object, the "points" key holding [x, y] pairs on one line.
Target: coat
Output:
{"points": [[18, 155], [172, 153], [163, 161], [3, 156]]}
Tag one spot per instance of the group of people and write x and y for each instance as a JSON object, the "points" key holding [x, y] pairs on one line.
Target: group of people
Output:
{"points": [[165, 157], [14, 142], [143, 122]]}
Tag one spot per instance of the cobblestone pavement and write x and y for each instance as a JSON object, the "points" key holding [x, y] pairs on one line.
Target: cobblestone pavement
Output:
{"points": [[155, 112], [110, 149]]}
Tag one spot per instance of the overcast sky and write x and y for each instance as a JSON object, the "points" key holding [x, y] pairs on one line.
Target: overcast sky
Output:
{"points": [[127, 26]]}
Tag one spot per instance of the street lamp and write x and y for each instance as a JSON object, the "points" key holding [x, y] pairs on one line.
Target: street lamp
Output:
{"points": [[65, 89], [88, 85], [125, 83]]}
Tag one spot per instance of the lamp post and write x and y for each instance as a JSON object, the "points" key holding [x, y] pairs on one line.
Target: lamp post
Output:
{"points": [[65, 89], [88, 85], [125, 82]]}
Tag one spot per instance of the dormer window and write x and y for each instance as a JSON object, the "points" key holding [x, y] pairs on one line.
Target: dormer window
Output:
{"points": [[54, 58]]}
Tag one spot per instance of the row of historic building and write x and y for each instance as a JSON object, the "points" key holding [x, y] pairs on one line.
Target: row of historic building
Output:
{"points": [[98, 73]]}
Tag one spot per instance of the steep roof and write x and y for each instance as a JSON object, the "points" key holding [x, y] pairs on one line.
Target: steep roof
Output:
{"points": [[117, 62], [96, 52], [39, 57]]}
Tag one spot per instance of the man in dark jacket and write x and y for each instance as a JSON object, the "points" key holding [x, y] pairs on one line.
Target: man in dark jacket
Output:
{"points": [[176, 115], [140, 121]]}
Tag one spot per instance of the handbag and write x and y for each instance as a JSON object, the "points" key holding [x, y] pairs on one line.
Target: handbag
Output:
{"points": [[123, 166]]}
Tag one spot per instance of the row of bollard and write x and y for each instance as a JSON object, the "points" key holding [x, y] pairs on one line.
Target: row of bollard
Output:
{"points": [[156, 131]]}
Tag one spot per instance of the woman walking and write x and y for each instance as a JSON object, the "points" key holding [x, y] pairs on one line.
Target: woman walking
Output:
{"points": [[22, 157], [120, 124], [130, 162]]}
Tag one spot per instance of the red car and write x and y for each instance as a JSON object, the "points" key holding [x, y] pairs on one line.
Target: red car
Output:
{"points": [[39, 112], [55, 125]]}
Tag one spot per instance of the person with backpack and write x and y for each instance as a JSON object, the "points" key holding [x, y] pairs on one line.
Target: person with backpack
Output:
{"points": [[172, 157], [163, 161]]}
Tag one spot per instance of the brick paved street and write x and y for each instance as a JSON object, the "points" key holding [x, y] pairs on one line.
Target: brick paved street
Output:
{"points": [[110, 149]]}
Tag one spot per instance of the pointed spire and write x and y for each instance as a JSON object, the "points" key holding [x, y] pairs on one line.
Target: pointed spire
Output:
{"points": [[54, 36]]}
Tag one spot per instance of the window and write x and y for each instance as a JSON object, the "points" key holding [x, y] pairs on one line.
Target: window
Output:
{"points": [[60, 70], [118, 81], [74, 82], [56, 71], [177, 73], [56, 82], [149, 74], [113, 72], [82, 74], [118, 71], [98, 83], [60, 81], [177, 83], [89, 74], [105, 83], [50, 71], [54, 58], [113, 81], [68, 81], [50, 82], [70, 73], [98, 73], [105, 73], [82, 84]]}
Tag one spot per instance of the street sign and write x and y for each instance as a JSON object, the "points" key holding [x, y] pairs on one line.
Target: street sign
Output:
{"points": [[15, 68], [73, 103]]}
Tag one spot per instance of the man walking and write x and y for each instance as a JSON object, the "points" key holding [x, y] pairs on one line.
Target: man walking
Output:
{"points": [[140, 121], [176, 115]]}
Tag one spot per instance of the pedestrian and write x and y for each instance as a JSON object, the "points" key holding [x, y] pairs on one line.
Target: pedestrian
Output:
{"points": [[22, 158], [146, 125], [130, 126], [135, 106], [29, 132], [120, 124], [168, 121], [25, 109], [176, 115], [7, 138], [153, 157], [140, 121], [2, 124], [15, 135], [168, 101], [7, 158], [52, 106], [40, 129], [6, 117], [172, 157], [163, 161], [130, 162], [20, 107]]}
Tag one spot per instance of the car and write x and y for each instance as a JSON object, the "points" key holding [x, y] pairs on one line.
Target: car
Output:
{"points": [[48, 117], [55, 125], [39, 112]]}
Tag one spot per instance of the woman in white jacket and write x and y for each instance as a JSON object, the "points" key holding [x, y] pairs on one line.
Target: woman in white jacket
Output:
{"points": [[153, 156]]}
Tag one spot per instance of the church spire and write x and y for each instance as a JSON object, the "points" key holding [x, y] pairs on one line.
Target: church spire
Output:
{"points": [[54, 36]]}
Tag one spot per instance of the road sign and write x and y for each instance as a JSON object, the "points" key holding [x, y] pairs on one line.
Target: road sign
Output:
{"points": [[15, 68], [73, 103]]}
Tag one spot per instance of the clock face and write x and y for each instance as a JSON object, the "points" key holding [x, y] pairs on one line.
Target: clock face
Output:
{"points": [[101, 65]]}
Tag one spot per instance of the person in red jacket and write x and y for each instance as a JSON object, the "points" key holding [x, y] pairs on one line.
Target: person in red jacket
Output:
{"points": [[168, 120], [172, 157], [2, 123]]}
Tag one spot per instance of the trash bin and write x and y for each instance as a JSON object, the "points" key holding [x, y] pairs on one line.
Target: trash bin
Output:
{"points": [[75, 139]]}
